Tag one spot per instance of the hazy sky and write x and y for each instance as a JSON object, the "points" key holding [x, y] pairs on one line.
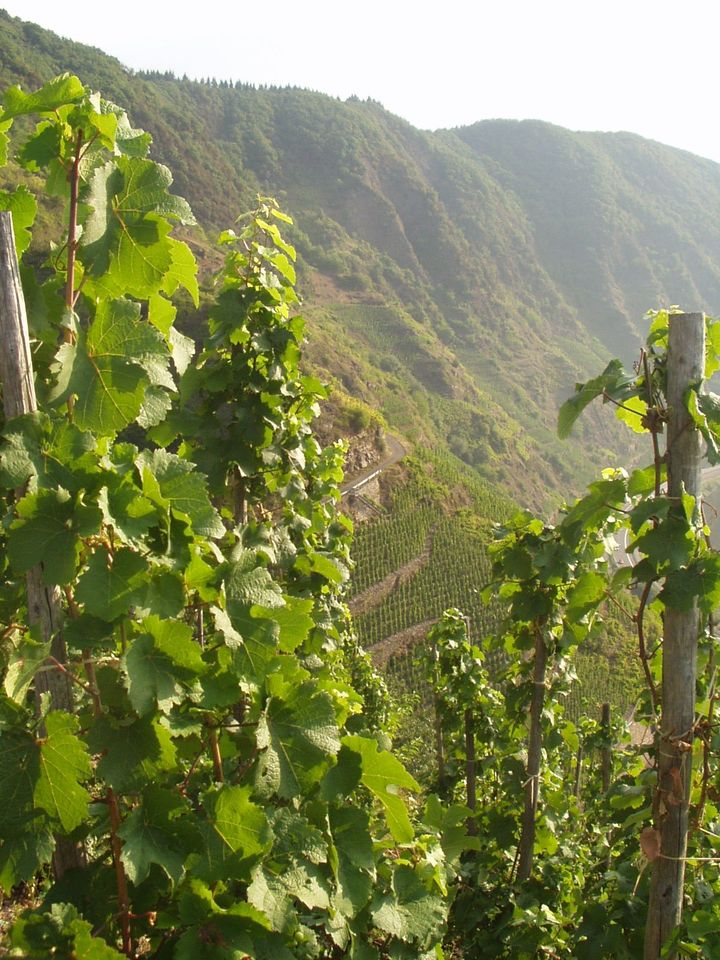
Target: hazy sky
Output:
{"points": [[649, 66]]}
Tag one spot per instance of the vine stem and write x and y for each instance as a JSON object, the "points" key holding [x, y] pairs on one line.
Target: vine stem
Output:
{"points": [[120, 878], [642, 647], [657, 456], [532, 783], [110, 799], [216, 757], [74, 180]]}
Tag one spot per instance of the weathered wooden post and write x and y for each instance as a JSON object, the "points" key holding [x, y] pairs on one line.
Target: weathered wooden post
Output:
{"points": [[606, 750], [532, 782], [18, 388], [437, 711], [470, 768], [685, 366]]}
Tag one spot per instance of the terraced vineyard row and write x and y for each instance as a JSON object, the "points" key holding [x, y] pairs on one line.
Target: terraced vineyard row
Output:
{"points": [[456, 571], [386, 545], [431, 511]]}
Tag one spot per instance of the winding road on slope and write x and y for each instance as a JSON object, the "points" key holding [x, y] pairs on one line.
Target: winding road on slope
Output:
{"points": [[395, 453]]}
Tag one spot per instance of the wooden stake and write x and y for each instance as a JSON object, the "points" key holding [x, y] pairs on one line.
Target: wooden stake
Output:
{"points": [[18, 388], [685, 367], [606, 752]]}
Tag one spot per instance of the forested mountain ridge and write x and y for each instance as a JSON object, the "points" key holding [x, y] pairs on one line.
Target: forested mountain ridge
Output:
{"points": [[458, 281]]}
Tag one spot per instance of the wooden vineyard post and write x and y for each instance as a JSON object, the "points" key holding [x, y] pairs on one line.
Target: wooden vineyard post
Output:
{"points": [[18, 388], [437, 713], [470, 769], [685, 366], [606, 751], [532, 782]]}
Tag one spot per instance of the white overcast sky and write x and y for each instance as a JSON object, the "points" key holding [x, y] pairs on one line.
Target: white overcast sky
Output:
{"points": [[648, 66]]}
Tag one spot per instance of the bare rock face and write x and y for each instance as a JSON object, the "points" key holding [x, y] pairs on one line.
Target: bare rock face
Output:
{"points": [[363, 453]]}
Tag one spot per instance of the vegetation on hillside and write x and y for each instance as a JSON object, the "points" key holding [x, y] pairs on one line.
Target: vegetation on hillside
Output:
{"points": [[456, 281]]}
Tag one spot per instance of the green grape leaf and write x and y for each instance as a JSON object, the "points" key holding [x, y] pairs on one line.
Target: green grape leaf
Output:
{"points": [[178, 486], [23, 660], [155, 407], [162, 665], [48, 531], [293, 833], [131, 753], [384, 775], [161, 314], [124, 242], [150, 836], [126, 510], [182, 349], [55, 452], [59, 92], [23, 207], [585, 595], [64, 763], [111, 584], [129, 141], [306, 882], [643, 481], [412, 913], [4, 139], [19, 758], [296, 736], [613, 381], [164, 595], [355, 868], [633, 413], [242, 824], [22, 857], [671, 542], [342, 778], [293, 619], [182, 271], [58, 932], [268, 894], [699, 581], [249, 583], [704, 408], [106, 369]]}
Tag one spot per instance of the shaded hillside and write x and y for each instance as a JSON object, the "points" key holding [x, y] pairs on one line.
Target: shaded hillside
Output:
{"points": [[458, 281]]}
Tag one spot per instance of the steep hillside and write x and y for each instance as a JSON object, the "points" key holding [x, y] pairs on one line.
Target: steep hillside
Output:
{"points": [[457, 281]]}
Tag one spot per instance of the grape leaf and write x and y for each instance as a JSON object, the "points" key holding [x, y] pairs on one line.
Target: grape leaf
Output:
{"points": [[23, 660], [64, 763], [613, 381], [23, 207], [249, 583], [22, 857], [106, 369], [56, 93], [242, 824], [18, 753], [383, 775], [110, 585], [48, 531], [161, 663], [178, 486], [297, 735], [124, 241], [150, 835], [4, 139], [131, 753], [412, 913]]}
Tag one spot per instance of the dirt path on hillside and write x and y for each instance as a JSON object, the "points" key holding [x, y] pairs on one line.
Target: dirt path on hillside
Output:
{"points": [[399, 643], [376, 593]]}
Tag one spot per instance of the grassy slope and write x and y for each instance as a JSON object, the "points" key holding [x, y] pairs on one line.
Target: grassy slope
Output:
{"points": [[459, 281]]}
